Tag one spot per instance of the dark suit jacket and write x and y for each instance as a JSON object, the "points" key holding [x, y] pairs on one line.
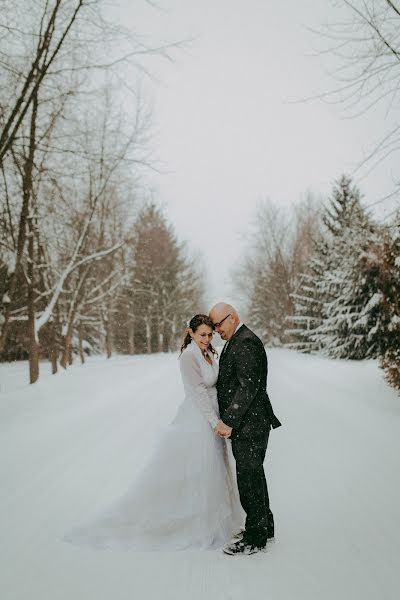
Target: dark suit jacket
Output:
{"points": [[243, 401]]}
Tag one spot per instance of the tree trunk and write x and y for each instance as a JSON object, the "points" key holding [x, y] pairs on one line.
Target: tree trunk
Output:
{"points": [[148, 335], [109, 329], [54, 364], [70, 354], [166, 338], [109, 338], [22, 228], [53, 348], [161, 328], [131, 336], [33, 346], [27, 200], [67, 356], [80, 343], [64, 351]]}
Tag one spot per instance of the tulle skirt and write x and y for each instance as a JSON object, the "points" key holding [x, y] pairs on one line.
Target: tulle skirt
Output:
{"points": [[185, 497]]}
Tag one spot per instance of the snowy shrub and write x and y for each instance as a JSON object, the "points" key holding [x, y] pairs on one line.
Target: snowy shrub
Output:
{"points": [[390, 362]]}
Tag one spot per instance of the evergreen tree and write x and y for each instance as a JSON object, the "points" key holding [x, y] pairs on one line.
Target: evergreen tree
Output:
{"points": [[331, 294], [162, 287], [349, 326]]}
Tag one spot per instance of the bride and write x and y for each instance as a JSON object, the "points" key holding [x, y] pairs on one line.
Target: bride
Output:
{"points": [[186, 497]]}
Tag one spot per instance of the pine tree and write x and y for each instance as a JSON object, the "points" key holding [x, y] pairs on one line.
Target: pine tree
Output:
{"points": [[307, 300], [349, 325], [327, 302], [162, 290]]}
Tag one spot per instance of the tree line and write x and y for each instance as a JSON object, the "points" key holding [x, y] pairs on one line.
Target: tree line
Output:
{"points": [[327, 279], [85, 262]]}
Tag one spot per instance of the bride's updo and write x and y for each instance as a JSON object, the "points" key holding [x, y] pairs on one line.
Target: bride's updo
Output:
{"points": [[194, 324]]}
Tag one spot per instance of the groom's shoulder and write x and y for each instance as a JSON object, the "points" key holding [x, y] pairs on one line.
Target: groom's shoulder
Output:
{"points": [[246, 334]]}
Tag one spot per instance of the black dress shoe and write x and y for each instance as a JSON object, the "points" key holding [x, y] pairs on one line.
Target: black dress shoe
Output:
{"points": [[238, 535]]}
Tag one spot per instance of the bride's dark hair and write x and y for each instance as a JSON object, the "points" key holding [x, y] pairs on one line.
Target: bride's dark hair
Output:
{"points": [[194, 324]]}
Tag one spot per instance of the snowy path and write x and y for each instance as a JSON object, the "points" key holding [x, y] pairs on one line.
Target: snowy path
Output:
{"points": [[72, 443]]}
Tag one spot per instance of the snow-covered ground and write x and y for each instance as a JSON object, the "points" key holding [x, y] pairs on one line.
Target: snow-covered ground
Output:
{"points": [[72, 443]]}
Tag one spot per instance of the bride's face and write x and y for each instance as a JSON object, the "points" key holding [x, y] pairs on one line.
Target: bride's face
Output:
{"points": [[202, 336]]}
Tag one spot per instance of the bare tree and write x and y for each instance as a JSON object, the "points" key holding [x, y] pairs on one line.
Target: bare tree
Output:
{"points": [[281, 244], [51, 172], [54, 24], [49, 50], [366, 42]]}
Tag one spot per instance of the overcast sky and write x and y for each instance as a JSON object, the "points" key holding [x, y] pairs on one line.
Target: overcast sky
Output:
{"points": [[228, 131]]}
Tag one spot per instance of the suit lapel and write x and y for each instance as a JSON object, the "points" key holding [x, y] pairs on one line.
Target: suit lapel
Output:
{"points": [[228, 343], [223, 350]]}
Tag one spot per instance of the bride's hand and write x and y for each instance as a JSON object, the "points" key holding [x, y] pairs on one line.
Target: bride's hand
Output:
{"points": [[223, 430]]}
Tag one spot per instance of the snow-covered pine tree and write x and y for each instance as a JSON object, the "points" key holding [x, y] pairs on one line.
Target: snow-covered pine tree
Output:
{"points": [[359, 310], [349, 326], [307, 301], [350, 313], [327, 302]]}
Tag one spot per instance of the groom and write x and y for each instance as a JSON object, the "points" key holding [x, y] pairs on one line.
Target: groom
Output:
{"points": [[246, 417]]}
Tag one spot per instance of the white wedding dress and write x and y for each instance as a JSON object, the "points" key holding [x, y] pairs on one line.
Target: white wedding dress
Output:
{"points": [[186, 496]]}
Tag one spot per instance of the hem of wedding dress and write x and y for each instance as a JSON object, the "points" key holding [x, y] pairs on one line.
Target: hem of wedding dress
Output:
{"points": [[142, 542]]}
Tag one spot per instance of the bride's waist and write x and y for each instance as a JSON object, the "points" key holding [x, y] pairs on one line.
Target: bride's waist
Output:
{"points": [[191, 399]]}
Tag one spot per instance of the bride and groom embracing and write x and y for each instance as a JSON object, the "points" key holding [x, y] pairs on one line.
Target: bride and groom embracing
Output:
{"points": [[205, 485]]}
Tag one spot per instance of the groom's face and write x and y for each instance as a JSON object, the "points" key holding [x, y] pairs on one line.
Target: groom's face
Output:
{"points": [[226, 327]]}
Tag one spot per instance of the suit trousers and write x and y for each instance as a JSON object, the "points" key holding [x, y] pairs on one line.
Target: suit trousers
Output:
{"points": [[253, 491]]}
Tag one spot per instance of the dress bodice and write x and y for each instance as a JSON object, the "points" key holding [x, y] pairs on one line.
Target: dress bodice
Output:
{"points": [[209, 371]]}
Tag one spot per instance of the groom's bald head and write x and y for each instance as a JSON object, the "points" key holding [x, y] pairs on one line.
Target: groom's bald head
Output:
{"points": [[225, 318]]}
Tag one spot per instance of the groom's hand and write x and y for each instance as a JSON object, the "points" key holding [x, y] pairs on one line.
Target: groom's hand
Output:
{"points": [[222, 430]]}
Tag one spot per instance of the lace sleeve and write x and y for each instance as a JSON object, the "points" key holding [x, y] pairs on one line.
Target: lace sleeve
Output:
{"points": [[192, 379]]}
